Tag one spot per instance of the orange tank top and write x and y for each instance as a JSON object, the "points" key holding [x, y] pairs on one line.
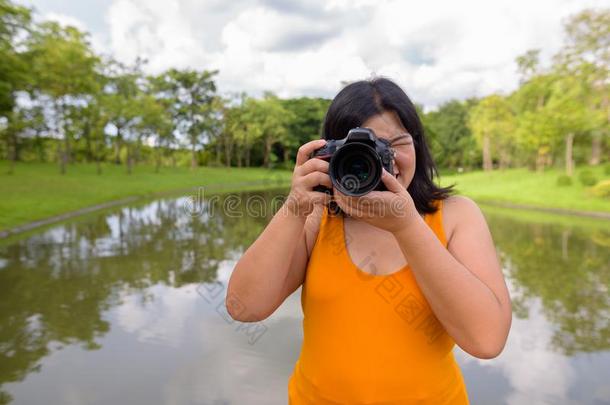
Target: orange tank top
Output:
{"points": [[370, 339]]}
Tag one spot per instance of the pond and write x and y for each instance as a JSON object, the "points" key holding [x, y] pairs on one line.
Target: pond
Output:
{"points": [[127, 306]]}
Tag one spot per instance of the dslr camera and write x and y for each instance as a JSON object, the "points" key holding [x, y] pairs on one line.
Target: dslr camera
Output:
{"points": [[356, 162]]}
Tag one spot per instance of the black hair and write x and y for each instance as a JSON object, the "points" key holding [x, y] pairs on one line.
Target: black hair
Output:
{"points": [[358, 101]]}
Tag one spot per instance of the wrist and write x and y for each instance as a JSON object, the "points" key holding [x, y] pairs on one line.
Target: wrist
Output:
{"points": [[291, 208], [409, 225]]}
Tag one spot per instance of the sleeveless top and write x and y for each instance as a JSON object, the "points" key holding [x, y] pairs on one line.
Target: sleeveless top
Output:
{"points": [[370, 339]]}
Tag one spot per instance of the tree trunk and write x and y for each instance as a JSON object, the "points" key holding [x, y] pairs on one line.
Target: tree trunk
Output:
{"points": [[64, 155], [540, 160], [228, 152], [62, 169], [61, 154], [99, 144], [239, 157], [87, 136], [137, 154], [504, 159], [67, 148], [39, 147], [12, 151], [158, 159], [193, 157], [117, 146], [129, 159], [569, 154], [267, 153], [596, 150], [487, 163], [218, 152], [248, 149]]}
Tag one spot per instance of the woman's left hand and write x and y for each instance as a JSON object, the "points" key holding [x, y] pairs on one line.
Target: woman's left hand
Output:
{"points": [[392, 210]]}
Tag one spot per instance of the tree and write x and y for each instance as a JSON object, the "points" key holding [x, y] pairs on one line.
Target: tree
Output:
{"points": [[528, 64], [535, 135], [568, 115], [189, 95], [64, 68], [450, 137], [244, 124], [120, 102], [492, 123], [305, 125], [14, 72], [271, 119], [587, 54], [14, 21], [156, 124]]}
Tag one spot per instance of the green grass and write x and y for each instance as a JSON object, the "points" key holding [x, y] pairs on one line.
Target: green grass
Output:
{"points": [[522, 186], [37, 190]]}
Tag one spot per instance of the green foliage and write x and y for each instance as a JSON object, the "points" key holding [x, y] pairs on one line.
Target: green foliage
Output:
{"points": [[189, 96], [452, 143], [564, 180], [81, 107], [492, 122], [14, 20], [607, 168], [587, 178], [601, 189]]}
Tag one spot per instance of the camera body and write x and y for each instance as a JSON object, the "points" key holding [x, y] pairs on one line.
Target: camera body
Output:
{"points": [[356, 162]]}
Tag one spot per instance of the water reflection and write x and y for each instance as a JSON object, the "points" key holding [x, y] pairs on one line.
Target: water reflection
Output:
{"points": [[127, 306]]}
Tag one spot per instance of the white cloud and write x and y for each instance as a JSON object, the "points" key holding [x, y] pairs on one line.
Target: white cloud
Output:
{"points": [[436, 50], [95, 39], [65, 20]]}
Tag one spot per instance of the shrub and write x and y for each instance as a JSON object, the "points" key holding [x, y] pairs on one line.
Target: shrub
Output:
{"points": [[564, 180], [601, 189], [587, 178]]}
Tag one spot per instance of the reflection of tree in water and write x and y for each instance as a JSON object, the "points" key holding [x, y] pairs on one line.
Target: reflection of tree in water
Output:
{"points": [[55, 286], [568, 268]]}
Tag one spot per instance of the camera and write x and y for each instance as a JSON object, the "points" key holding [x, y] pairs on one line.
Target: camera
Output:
{"points": [[356, 162]]}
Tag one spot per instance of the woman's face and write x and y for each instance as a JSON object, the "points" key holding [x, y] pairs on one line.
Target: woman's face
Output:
{"points": [[387, 125]]}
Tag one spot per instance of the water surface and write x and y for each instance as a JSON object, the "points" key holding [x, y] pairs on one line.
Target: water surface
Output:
{"points": [[127, 306]]}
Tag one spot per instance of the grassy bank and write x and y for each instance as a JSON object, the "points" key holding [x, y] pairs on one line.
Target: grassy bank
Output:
{"points": [[37, 191], [522, 186]]}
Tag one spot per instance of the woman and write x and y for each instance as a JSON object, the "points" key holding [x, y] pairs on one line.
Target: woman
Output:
{"points": [[391, 284]]}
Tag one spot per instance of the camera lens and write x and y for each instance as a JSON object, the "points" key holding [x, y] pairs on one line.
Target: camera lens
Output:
{"points": [[355, 169]]}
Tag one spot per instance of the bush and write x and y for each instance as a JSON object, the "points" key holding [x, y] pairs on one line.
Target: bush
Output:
{"points": [[587, 178], [564, 180], [601, 189]]}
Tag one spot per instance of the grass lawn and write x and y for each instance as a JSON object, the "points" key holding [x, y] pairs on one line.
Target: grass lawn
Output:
{"points": [[522, 186], [37, 190]]}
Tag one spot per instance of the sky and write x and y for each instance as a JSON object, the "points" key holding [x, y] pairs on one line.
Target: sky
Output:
{"points": [[435, 50]]}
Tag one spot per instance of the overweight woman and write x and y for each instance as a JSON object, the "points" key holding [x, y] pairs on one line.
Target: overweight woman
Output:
{"points": [[392, 279]]}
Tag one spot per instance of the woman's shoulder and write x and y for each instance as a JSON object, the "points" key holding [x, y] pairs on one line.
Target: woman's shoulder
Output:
{"points": [[455, 209]]}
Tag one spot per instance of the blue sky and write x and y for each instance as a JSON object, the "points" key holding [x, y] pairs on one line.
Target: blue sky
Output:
{"points": [[436, 50]]}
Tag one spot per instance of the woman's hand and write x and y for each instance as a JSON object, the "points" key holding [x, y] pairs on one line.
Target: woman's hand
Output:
{"points": [[307, 174], [392, 210]]}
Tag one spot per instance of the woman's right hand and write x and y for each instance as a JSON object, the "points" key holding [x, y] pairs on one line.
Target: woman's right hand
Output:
{"points": [[307, 174]]}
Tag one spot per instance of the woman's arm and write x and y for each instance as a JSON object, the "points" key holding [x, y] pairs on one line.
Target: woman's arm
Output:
{"points": [[463, 284], [274, 265]]}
